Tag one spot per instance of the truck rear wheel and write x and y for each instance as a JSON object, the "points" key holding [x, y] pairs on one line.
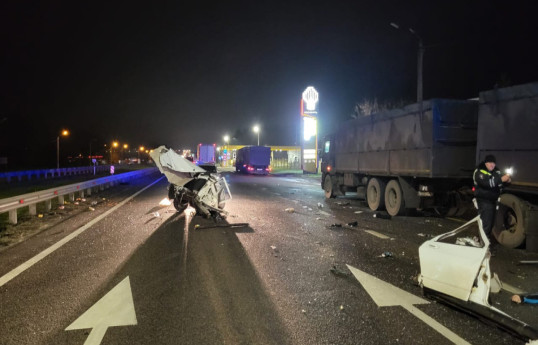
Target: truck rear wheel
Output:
{"points": [[508, 228], [375, 194], [394, 202], [328, 187]]}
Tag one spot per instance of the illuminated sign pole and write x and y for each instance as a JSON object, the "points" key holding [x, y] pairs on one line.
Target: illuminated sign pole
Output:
{"points": [[309, 124]]}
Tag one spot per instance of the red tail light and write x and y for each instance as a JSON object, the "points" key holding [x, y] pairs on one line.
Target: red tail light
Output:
{"points": [[328, 168]]}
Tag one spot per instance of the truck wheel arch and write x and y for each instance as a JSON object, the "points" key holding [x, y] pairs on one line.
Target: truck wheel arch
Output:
{"points": [[509, 225]]}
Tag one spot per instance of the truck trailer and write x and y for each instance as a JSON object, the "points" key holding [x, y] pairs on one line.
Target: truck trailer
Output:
{"points": [[253, 160], [508, 129], [424, 157], [410, 158]]}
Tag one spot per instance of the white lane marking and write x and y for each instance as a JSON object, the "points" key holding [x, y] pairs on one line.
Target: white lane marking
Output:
{"points": [[387, 295], [26, 265], [377, 234], [116, 308]]}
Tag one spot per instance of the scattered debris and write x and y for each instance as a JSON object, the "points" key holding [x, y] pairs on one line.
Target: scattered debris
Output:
{"points": [[156, 214], [528, 262], [382, 215], [165, 202], [421, 234], [290, 210], [335, 225], [61, 207], [386, 255], [341, 307], [40, 216], [78, 199], [305, 207], [338, 272], [309, 209], [230, 225], [91, 208], [303, 311], [355, 223], [76, 202], [320, 205], [319, 218], [83, 200], [529, 298], [343, 203], [273, 247], [358, 212], [93, 203]]}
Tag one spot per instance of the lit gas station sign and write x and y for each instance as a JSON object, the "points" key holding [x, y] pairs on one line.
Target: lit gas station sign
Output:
{"points": [[309, 145]]}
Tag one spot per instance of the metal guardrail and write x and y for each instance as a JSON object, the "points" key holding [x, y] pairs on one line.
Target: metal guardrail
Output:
{"points": [[30, 200], [10, 175]]}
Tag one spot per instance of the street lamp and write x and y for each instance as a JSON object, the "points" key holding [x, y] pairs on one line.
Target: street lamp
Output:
{"points": [[226, 139], [420, 58], [64, 133], [256, 130]]}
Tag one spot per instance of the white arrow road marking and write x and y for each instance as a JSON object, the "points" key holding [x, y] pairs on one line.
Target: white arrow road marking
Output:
{"points": [[116, 308], [32, 261], [387, 295]]}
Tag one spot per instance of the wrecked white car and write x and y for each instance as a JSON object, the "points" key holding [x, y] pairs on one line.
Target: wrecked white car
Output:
{"points": [[454, 268], [191, 184]]}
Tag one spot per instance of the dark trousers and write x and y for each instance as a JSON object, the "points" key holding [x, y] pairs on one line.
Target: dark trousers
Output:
{"points": [[486, 210]]}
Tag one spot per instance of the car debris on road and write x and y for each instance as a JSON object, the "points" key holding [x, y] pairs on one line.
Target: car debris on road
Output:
{"points": [[191, 184], [459, 274]]}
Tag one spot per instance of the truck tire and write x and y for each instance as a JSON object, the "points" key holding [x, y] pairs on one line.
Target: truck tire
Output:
{"points": [[508, 228], [328, 187], [375, 194], [394, 202]]}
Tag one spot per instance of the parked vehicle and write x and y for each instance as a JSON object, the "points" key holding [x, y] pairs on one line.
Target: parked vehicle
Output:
{"points": [[207, 157], [508, 129], [253, 160], [408, 158], [423, 156]]}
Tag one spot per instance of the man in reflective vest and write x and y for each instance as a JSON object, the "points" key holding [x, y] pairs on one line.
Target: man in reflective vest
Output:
{"points": [[488, 183]]}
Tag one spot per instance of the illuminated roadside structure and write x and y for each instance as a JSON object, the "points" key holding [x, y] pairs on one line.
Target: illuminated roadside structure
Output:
{"points": [[309, 124]]}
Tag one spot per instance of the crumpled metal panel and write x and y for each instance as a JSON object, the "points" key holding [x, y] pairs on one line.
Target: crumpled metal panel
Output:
{"points": [[177, 169]]}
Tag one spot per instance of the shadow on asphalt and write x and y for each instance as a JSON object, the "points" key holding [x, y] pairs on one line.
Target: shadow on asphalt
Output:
{"points": [[196, 287]]}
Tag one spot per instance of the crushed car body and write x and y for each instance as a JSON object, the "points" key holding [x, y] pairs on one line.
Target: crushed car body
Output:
{"points": [[190, 184], [454, 268]]}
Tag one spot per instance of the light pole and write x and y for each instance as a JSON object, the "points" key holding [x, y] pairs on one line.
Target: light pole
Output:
{"points": [[256, 130], [420, 58], [64, 133]]}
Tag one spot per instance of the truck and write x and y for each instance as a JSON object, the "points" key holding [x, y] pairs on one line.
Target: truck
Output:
{"points": [[205, 154], [508, 129], [424, 155], [253, 160]]}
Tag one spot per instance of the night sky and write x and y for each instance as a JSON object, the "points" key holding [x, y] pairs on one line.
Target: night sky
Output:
{"points": [[180, 73]]}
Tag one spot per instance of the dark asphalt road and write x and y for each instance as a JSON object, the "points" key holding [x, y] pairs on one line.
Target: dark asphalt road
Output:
{"points": [[269, 283]]}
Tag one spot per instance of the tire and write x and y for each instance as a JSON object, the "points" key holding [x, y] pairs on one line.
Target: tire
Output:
{"points": [[328, 187], [180, 204], [375, 194], [394, 202], [508, 227]]}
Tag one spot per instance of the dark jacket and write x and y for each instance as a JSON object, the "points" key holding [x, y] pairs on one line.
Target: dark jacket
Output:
{"points": [[488, 184]]}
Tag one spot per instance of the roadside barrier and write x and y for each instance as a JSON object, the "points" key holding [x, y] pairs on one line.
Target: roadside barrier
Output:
{"points": [[30, 200], [50, 173]]}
